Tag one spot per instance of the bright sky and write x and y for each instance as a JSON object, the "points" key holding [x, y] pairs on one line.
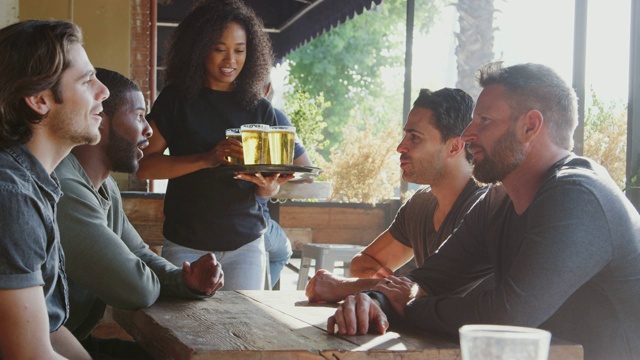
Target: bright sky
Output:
{"points": [[538, 31]]}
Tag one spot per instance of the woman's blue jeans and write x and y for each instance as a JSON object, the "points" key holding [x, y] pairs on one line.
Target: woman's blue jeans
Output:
{"points": [[244, 268], [278, 246]]}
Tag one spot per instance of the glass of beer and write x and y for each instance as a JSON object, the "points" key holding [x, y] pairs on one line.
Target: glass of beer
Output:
{"points": [[254, 143], [281, 144], [234, 133]]}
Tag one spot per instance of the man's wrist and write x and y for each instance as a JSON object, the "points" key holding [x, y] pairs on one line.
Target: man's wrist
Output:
{"points": [[384, 304]]}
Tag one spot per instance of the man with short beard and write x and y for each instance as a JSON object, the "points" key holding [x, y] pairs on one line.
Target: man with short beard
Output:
{"points": [[433, 154], [107, 261], [559, 235]]}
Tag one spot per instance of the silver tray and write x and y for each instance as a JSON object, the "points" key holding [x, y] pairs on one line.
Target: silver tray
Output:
{"points": [[300, 172]]}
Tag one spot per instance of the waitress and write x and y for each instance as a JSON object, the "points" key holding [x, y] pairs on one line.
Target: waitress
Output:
{"points": [[218, 60]]}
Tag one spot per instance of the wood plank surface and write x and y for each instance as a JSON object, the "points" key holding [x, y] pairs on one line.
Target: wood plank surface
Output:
{"points": [[147, 217], [317, 314], [269, 325], [411, 340], [329, 225], [335, 225], [224, 326]]}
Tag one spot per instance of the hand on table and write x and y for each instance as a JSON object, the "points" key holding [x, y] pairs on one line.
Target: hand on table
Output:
{"points": [[203, 275], [399, 291], [358, 315], [327, 287]]}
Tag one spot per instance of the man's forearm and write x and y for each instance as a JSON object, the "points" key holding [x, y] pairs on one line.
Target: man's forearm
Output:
{"points": [[359, 285], [364, 266]]}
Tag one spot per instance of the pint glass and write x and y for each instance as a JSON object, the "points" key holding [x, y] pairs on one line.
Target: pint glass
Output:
{"points": [[501, 342], [254, 143], [281, 144], [234, 133]]}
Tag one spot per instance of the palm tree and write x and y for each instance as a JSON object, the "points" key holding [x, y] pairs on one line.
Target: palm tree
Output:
{"points": [[475, 41]]}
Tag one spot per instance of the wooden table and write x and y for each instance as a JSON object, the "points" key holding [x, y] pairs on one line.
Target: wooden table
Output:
{"points": [[275, 325]]}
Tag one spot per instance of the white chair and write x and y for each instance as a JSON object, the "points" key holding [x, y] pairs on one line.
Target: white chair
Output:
{"points": [[267, 273], [325, 256]]}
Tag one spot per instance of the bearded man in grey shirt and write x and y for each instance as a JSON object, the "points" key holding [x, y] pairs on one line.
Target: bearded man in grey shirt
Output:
{"points": [[559, 235]]}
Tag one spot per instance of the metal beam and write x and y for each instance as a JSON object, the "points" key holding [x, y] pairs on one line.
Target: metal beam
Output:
{"points": [[579, 69], [408, 61], [297, 16], [633, 119]]}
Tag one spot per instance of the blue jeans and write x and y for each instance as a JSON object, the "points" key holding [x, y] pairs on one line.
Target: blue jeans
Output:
{"points": [[278, 246], [244, 268]]}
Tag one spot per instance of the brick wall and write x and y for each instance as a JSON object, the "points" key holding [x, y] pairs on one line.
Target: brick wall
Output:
{"points": [[140, 66]]}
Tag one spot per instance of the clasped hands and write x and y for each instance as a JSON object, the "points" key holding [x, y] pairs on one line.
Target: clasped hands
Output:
{"points": [[359, 314], [203, 275]]}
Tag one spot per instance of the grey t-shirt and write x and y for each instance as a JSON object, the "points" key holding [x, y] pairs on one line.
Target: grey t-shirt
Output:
{"points": [[569, 264], [30, 253], [413, 225]]}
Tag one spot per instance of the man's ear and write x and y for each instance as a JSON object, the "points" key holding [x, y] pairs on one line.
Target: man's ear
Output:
{"points": [[456, 145], [531, 125], [40, 102]]}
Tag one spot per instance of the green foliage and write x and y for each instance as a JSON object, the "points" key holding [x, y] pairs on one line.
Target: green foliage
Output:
{"points": [[605, 137], [364, 168], [633, 182], [305, 113], [346, 64]]}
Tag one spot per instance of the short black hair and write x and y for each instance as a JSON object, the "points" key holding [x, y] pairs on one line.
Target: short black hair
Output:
{"points": [[452, 110], [118, 85]]}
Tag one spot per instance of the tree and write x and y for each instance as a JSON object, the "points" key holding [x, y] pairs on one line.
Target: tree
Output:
{"points": [[346, 65], [605, 137], [305, 113], [475, 41]]}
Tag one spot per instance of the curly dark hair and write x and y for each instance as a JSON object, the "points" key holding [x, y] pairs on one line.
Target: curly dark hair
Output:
{"points": [[33, 56], [192, 41]]}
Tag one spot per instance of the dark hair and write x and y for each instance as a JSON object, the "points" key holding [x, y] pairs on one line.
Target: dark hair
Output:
{"points": [[192, 41], [534, 86], [452, 110], [33, 56], [118, 85]]}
